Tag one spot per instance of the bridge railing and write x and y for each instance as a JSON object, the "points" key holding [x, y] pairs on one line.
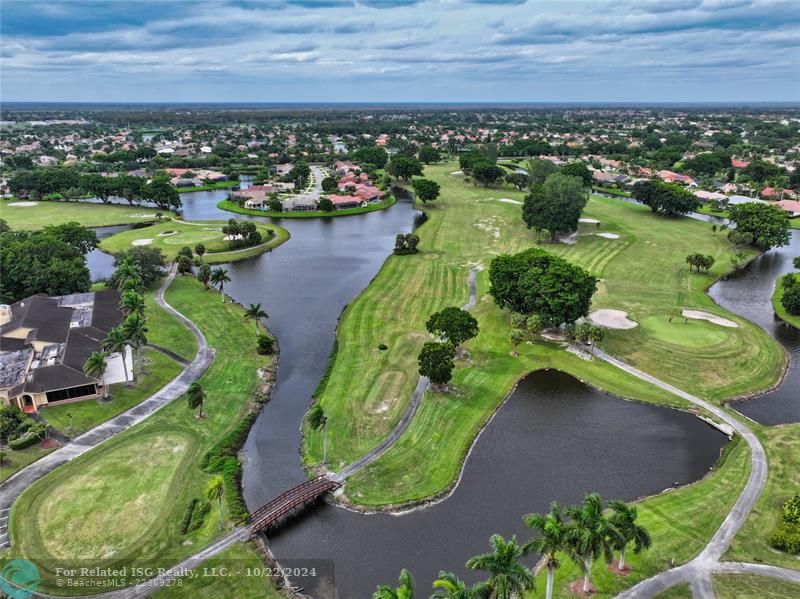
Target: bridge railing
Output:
{"points": [[271, 512]]}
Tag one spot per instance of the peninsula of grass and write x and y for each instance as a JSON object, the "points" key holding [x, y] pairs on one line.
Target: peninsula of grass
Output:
{"points": [[20, 215], [210, 186], [123, 503], [245, 578], [368, 390], [782, 444], [231, 206], [750, 586], [777, 304], [172, 235]]}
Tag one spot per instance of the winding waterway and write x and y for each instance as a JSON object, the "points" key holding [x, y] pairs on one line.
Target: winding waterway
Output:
{"points": [[555, 438]]}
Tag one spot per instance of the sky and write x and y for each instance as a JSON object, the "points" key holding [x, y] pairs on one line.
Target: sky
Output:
{"points": [[400, 51]]}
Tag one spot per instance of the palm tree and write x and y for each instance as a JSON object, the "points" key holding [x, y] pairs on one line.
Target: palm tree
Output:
{"points": [[404, 590], [131, 302], [196, 396], [552, 538], [95, 366], [450, 586], [590, 534], [115, 343], [135, 330], [126, 272], [507, 577], [204, 275], [255, 312], [317, 419], [214, 490], [219, 276], [628, 531]]}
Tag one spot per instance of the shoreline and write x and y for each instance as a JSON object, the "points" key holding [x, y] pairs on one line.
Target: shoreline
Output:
{"points": [[230, 206]]}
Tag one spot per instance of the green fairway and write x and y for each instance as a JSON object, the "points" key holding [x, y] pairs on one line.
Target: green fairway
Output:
{"points": [[679, 591], [234, 207], [782, 444], [230, 384], [244, 581], [171, 236], [750, 586], [777, 295], [44, 213], [368, 390]]}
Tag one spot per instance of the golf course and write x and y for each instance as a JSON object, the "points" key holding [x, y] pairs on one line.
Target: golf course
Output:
{"points": [[172, 235], [368, 390], [36, 214]]}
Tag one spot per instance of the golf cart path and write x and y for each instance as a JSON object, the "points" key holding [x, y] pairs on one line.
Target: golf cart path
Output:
{"points": [[416, 399], [13, 486], [697, 572]]}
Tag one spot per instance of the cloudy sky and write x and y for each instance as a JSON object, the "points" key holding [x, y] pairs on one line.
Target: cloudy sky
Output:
{"points": [[401, 50]]}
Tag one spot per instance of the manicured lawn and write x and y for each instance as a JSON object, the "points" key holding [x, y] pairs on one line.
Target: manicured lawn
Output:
{"points": [[782, 444], [88, 214], [171, 236], [368, 390], [680, 523], [76, 418], [16, 460], [156, 538], [679, 591], [777, 295], [237, 560], [234, 207], [167, 331], [750, 586]]}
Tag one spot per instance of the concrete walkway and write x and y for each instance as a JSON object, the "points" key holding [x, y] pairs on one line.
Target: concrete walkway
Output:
{"points": [[13, 486], [697, 572]]}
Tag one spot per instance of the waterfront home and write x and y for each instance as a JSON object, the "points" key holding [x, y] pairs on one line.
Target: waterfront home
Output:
{"points": [[300, 204], [340, 202], [791, 207], [671, 177], [771, 193], [44, 343]]}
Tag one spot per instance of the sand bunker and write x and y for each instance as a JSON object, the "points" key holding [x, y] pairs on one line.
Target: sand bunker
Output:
{"points": [[140, 215], [167, 233], [510, 201], [608, 235], [612, 319], [457, 173], [23, 204], [700, 315], [141, 242], [593, 221]]}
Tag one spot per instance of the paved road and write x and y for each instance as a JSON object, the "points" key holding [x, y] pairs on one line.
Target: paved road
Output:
{"points": [[697, 572], [12, 487], [416, 398]]}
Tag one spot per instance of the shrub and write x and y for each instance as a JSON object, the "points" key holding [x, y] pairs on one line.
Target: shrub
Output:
{"points": [[26, 440], [187, 516], [265, 344], [791, 299], [141, 225], [786, 538], [383, 347], [791, 510], [199, 515]]}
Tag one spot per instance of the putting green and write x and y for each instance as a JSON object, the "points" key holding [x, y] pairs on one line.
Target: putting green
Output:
{"points": [[694, 333], [111, 502]]}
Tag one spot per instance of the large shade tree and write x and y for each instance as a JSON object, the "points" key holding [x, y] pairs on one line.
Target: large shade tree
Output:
{"points": [[767, 225], [556, 205], [669, 199], [436, 362], [453, 324]]}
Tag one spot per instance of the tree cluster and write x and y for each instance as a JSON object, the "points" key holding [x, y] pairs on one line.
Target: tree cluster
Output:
{"points": [[406, 244], [700, 262], [242, 234], [404, 167], [669, 199], [537, 282], [767, 226], [426, 189], [791, 294]]}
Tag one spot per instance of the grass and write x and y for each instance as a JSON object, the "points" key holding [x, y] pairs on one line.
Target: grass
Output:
{"points": [[155, 540], [55, 213], [74, 419], [750, 586], [368, 390], [242, 564], [680, 523], [172, 235], [679, 591], [782, 444], [777, 296], [167, 331], [234, 207], [16, 460], [210, 186]]}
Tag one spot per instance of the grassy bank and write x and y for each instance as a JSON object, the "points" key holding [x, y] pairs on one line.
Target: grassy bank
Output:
{"points": [[243, 581], [368, 390], [45, 213], [172, 235], [750, 586], [782, 444], [93, 508], [777, 296], [209, 187], [17, 460], [234, 207]]}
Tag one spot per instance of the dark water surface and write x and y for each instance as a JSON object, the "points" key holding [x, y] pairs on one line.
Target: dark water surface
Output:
{"points": [[749, 294]]}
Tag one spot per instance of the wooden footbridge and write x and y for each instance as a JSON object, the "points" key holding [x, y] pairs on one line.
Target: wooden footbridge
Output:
{"points": [[292, 500]]}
